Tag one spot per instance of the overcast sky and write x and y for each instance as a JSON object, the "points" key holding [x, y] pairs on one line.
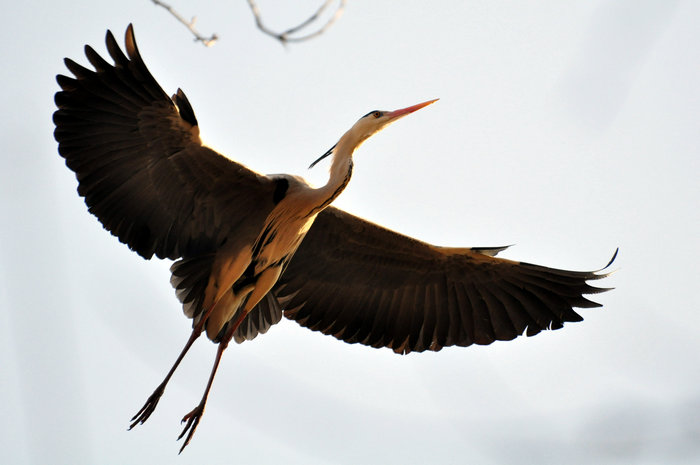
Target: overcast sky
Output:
{"points": [[566, 128]]}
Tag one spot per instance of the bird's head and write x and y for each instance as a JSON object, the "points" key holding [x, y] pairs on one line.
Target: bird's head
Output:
{"points": [[368, 125]]}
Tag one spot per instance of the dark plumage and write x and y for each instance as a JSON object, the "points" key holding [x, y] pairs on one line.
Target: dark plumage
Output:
{"points": [[362, 283]]}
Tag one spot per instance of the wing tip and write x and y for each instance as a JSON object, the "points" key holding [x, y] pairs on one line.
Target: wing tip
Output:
{"points": [[130, 42], [611, 260], [598, 275]]}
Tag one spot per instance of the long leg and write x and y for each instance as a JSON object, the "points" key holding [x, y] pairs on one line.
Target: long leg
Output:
{"points": [[151, 403], [193, 417]]}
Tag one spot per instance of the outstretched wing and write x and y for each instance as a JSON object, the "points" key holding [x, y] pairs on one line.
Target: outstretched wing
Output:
{"points": [[366, 284], [141, 166]]}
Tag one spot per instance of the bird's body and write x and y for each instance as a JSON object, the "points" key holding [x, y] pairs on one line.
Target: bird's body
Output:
{"points": [[249, 248], [247, 271]]}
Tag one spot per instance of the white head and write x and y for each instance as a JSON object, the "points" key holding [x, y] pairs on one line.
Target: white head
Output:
{"points": [[368, 125]]}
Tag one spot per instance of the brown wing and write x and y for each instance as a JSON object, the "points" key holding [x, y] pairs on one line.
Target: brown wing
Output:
{"points": [[362, 283], [140, 163]]}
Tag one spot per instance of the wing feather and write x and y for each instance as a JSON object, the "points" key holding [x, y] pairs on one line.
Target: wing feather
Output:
{"points": [[366, 284], [503, 327], [141, 166]]}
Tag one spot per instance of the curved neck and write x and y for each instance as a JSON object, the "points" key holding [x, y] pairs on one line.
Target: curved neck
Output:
{"points": [[340, 173]]}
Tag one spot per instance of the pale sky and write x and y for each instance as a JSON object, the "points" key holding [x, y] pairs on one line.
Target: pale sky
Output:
{"points": [[566, 128]]}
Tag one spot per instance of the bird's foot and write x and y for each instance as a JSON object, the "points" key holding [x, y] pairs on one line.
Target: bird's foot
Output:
{"points": [[148, 408], [192, 420]]}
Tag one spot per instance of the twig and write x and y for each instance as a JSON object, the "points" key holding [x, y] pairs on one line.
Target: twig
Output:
{"points": [[284, 37], [207, 41]]}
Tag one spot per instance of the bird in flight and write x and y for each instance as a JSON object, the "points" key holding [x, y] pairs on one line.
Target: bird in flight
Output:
{"points": [[249, 248]]}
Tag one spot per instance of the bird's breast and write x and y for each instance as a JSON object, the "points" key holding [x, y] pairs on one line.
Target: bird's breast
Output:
{"points": [[279, 240]]}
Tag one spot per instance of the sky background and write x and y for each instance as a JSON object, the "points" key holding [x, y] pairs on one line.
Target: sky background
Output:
{"points": [[566, 128]]}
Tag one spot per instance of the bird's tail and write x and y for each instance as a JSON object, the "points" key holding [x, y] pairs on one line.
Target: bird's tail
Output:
{"points": [[190, 277]]}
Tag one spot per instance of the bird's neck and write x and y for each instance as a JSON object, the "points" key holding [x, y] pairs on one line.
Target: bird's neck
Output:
{"points": [[340, 173]]}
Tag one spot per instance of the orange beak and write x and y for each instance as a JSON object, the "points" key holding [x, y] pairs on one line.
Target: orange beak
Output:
{"points": [[408, 110]]}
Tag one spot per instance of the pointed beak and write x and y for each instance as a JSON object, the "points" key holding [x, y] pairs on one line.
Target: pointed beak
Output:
{"points": [[396, 114]]}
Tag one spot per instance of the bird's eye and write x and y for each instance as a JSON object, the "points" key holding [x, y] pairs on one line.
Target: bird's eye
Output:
{"points": [[374, 114]]}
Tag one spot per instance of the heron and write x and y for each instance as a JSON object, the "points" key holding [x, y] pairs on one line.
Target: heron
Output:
{"points": [[250, 248]]}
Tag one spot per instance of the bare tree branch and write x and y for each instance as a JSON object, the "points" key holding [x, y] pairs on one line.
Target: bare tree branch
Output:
{"points": [[284, 37], [208, 41]]}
